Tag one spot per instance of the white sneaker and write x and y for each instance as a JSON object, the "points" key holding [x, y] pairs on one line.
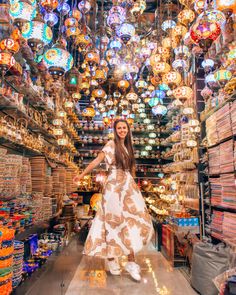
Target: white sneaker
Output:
{"points": [[134, 270], [113, 266]]}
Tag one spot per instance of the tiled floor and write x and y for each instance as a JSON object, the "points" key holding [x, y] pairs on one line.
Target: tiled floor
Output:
{"points": [[157, 278]]}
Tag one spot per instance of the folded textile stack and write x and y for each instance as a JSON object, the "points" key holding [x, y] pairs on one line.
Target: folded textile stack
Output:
{"points": [[25, 177], [233, 116], [214, 163], [216, 191], [37, 207], [211, 131], [229, 225], [47, 208], [217, 224], [223, 122], [3, 153], [228, 190], [227, 156], [18, 255]]}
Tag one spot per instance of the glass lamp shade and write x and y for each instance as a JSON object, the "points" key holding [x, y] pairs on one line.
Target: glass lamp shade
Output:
{"points": [[193, 122], [77, 14], [100, 76], [57, 122], [135, 107], [83, 41], [200, 6], [63, 8], [155, 81], [161, 68], [92, 58], [58, 61], [153, 101], [72, 79], [186, 16], [222, 76], [132, 96], [226, 6], [68, 104], [141, 84], [208, 64], [145, 52], [178, 31], [183, 93], [22, 12], [99, 93], [167, 25], [204, 33], [164, 87], [76, 96], [231, 55], [155, 58], [71, 22], [150, 127], [172, 79], [72, 32], [89, 112], [51, 19], [114, 20], [159, 110], [143, 115], [214, 16], [84, 6], [191, 143], [169, 42], [180, 65], [37, 33], [182, 52], [211, 81], [49, 5], [123, 85], [148, 147], [115, 44], [125, 32], [124, 103], [144, 153], [58, 131], [146, 121], [152, 135], [188, 111], [6, 61], [9, 45], [62, 141], [206, 93], [159, 94]]}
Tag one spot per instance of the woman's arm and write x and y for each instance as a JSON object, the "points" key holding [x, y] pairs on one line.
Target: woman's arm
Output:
{"points": [[90, 167]]}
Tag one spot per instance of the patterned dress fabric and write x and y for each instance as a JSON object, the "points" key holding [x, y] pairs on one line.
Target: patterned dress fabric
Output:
{"points": [[122, 224]]}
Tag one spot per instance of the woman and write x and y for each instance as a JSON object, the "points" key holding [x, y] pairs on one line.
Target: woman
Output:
{"points": [[122, 225]]}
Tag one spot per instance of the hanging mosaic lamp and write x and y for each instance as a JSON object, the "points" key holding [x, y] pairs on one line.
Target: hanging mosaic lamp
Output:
{"points": [[49, 5], [186, 17], [125, 32], [222, 76], [58, 60], [204, 33], [183, 93], [159, 110], [172, 79], [37, 33], [84, 6], [207, 65], [51, 19], [22, 12], [228, 7], [9, 45], [6, 61]]}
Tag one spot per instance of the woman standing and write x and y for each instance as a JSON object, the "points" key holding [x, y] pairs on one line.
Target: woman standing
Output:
{"points": [[122, 225]]}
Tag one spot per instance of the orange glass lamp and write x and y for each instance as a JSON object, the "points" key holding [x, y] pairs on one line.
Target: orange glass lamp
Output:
{"points": [[161, 68], [186, 16], [49, 5], [172, 79], [10, 45], [99, 94], [132, 96], [226, 6], [92, 58], [169, 42], [123, 85], [183, 93], [100, 76], [89, 112], [179, 31], [6, 61]]}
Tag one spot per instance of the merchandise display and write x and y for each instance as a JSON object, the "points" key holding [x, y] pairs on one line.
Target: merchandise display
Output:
{"points": [[68, 71]]}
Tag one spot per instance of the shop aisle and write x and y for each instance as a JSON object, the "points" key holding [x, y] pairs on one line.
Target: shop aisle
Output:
{"points": [[157, 278]]}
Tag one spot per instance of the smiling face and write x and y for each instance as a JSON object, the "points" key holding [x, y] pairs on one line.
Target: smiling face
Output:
{"points": [[122, 130]]}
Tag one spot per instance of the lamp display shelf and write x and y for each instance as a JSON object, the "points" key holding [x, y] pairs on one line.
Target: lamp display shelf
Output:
{"points": [[205, 115]]}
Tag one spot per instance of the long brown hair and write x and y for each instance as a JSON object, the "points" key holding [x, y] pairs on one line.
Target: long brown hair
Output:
{"points": [[124, 161]]}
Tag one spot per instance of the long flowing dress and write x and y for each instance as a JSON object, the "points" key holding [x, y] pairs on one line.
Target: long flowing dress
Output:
{"points": [[122, 224]]}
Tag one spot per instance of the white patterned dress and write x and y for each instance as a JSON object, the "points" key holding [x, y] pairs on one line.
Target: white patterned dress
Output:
{"points": [[122, 224]]}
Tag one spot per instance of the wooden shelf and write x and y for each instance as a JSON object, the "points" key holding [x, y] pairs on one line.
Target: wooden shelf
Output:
{"points": [[211, 112]]}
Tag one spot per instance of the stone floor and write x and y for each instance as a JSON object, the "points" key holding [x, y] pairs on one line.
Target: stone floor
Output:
{"points": [[71, 273], [157, 278]]}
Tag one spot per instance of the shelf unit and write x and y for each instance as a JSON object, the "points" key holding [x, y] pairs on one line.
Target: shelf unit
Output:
{"points": [[219, 186]]}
